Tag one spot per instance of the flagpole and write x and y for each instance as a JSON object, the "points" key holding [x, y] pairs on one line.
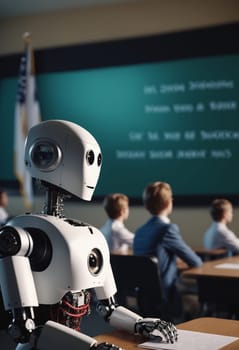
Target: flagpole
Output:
{"points": [[27, 114]]}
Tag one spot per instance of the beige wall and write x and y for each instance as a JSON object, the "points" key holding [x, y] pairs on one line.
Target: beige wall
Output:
{"points": [[115, 21], [192, 221], [91, 24]]}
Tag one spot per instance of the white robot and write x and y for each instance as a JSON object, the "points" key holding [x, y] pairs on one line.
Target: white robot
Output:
{"points": [[47, 259]]}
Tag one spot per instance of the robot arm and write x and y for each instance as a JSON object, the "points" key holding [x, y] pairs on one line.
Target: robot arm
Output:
{"points": [[57, 336], [148, 327], [15, 274], [122, 318]]}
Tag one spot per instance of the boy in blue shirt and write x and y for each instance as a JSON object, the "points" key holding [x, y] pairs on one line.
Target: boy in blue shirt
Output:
{"points": [[162, 239]]}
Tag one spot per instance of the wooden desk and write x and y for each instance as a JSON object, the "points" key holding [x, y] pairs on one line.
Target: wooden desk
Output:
{"points": [[204, 324], [210, 254], [208, 269], [217, 285], [205, 254], [119, 252]]}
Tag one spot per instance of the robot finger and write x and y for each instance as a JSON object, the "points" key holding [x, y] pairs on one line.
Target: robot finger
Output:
{"points": [[105, 346]]}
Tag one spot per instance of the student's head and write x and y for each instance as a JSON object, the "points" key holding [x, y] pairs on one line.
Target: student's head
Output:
{"points": [[157, 198], [221, 210], [117, 205], [3, 198]]}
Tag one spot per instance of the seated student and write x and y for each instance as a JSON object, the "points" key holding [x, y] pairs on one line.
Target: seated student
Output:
{"points": [[160, 238], [218, 235], [4, 216], [119, 238]]}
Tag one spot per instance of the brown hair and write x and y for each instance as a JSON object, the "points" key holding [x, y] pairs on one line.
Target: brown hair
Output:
{"points": [[114, 203], [156, 197], [219, 207], [3, 198]]}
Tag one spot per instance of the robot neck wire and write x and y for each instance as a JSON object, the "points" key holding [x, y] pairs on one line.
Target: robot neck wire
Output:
{"points": [[53, 201], [71, 309]]}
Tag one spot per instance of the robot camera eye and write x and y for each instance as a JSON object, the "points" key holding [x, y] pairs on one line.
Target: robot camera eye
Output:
{"points": [[90, 157], [45, 155], [95, 261], [99, 159]]}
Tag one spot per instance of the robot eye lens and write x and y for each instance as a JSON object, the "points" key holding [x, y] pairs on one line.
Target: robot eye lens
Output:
{"points": [[99, 160], [95, 261], [45, 155], [90, 157]]}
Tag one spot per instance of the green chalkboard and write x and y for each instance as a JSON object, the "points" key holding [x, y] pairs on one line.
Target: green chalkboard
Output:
{"points": [[175, 121]]}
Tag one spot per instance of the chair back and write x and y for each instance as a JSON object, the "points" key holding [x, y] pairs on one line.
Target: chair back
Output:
{"points": [[138, 284]]}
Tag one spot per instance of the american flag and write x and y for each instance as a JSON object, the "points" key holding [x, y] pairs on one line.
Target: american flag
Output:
{"points": [[27, 114]]}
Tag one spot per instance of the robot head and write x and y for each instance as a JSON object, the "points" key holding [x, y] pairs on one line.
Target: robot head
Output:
{"points": [[64, 154]]}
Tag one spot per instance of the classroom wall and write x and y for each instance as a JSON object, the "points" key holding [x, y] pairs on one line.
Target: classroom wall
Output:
{"points": [[192, 221], [99, 23], [105, 22]]}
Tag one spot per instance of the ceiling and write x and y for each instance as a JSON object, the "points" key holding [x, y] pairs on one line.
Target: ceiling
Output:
{"points": [[11, 8]]}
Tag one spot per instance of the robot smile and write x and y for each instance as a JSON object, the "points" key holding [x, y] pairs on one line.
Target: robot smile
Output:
{"points": [[91, 187]]}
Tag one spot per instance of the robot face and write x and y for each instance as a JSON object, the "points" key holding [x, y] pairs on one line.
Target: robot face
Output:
{"points": [[64, 154]]}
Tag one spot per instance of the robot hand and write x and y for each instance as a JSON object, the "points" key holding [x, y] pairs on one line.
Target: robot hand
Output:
{"points": [[125, 319], [105, 346], [156, 328]]}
